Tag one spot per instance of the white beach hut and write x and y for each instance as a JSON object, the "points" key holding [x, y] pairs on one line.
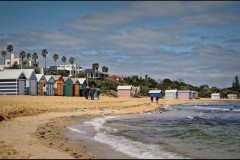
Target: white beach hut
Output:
{"points": [[171, 94], [215, 96], [12, 82]]}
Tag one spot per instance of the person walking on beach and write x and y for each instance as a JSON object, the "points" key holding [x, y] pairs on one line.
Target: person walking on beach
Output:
{"points": [[87, 92], [151, 99], [157, 98]]}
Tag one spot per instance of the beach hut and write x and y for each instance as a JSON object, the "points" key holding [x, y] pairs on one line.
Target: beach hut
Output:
{"points": [[184, 94], [50, 85], [76, 87], [67, 86], [194, 94], [232, 96], [12, 82], [171, 94], [31, 81], [58, 85], [155, 93], [83, 84], [124, 91], [215, 96], [41, 81]]}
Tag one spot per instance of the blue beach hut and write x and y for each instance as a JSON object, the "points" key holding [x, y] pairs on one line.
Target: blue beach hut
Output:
{"points": [[155, 93], [50, 85]]}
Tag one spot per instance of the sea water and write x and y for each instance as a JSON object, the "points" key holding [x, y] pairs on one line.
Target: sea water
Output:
{"points": [[181, 131]]}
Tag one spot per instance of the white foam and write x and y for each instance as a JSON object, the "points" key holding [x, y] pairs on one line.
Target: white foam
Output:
{"points": [[222, 109], [72, 128], [135, 149]]}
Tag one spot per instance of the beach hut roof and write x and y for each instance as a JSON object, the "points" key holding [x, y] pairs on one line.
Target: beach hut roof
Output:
{"points": [[39, 76], [48, 77], [11, 74], [56, 77], [81, 80], [74, 80], [171, 90], [155, 91], [27, 72], [124, 87], [184, 91]]}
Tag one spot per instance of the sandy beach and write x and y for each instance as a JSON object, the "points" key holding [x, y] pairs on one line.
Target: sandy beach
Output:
{"points": [[33, 126]]}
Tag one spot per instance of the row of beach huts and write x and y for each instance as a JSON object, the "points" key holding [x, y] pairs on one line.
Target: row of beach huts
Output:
{"points": [[26, 82], [131, 91]]}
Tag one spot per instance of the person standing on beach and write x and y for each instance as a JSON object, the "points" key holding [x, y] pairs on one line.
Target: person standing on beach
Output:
{"points": [[157, 99], [98, 93], [91, 94], [151, 99]]}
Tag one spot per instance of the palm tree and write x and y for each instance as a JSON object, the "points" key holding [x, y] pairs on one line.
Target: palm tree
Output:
{"points": [[64, 60], [28, 57], [105, 69], [94, 66], [10, 50], [71, 60], [35, 57], [22, 55], [4, 53], [55, 58], [44, 54]]}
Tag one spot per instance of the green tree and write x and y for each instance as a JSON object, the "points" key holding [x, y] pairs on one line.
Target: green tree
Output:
{"points": [[64, 59], [44, 54], [4, 53], [22, 55], [55, 58], [10, 50], [235, 84]]}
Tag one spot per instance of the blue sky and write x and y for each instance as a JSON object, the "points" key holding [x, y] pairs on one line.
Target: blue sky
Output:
{"points": [[197, 41]]}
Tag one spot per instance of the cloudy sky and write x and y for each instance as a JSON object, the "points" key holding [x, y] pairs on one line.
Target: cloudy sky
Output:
{"points": [[198, 42]]}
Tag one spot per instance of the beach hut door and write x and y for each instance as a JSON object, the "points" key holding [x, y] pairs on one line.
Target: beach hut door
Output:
{"points": [[21, 87]]}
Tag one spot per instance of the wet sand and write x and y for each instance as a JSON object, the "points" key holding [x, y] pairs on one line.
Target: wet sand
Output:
{"points": [[35, 126]]}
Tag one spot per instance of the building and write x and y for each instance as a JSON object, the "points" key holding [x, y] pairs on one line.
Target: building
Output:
{"points": [[171, 94], [184, 94], [76, 87], [155, 93], [58, 85], [31, 81], [90, 73], [12, 82], [232, 96], [215, 96], [49, 85], [71, 69], [67, 86], [124, 91], [41, 82]]}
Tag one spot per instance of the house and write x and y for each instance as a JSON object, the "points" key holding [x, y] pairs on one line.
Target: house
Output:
{"points": [[41, 82], [116, 78], [184, 94], [50, 85], [76, 87], [215, 96], [124, 91], [171, 94], [58, 85], [31, 81], [194, 94], [90, 73], [12, 82], [232, 96], [71, 69], [155, 93], [67, 86]]}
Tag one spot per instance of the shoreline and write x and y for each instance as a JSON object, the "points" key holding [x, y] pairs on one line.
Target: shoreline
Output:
{"points": [[41, 134]]}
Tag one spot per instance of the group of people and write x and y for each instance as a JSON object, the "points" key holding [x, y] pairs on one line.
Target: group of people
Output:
{"points": [[157, 98], [90, 92]]}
